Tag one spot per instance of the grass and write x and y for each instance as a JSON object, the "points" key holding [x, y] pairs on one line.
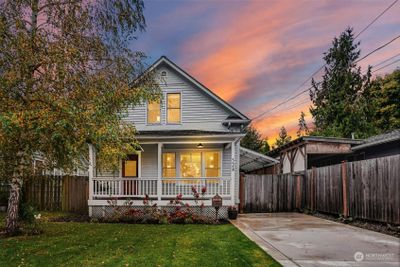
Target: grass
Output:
{"points": [[92, 244]]}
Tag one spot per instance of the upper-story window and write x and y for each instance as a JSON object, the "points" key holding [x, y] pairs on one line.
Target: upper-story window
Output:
{"points": [[173, 108], [153, 112]]}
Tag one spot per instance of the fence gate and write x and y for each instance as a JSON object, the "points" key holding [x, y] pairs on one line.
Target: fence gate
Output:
{"points": [[271, 193]]}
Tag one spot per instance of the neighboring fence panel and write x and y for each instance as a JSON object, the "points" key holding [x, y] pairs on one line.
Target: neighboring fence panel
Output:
{"points": [[366, 189], [64, 193], [374, 189]]}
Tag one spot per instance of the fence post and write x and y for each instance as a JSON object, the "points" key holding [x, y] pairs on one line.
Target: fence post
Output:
{"points": [[344, 188], [313, 187], [241, 192], [298, 192]]}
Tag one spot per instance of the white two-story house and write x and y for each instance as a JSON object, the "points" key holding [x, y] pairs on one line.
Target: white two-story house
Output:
{"points": [[189, 138]]}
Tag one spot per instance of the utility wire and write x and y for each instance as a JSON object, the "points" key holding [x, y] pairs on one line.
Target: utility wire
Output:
{"points": [[375, 19], [387, 65], [320, 68], [302, 92], [386, 60], [380, 63], [358, 34], [377, 49]]}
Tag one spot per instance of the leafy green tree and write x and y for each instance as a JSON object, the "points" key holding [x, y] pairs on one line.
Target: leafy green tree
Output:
{"points": [[340, 107], [283, 138], [252, 140], [384, 102], [303, 128], [67, 78]]}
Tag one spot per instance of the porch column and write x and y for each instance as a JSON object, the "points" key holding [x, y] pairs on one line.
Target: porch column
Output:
{"points": [[91, 174], [233, 167], [159, 182]]}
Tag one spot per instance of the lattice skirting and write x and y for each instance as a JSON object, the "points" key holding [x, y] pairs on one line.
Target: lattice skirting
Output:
{"points": [[107, 211]]}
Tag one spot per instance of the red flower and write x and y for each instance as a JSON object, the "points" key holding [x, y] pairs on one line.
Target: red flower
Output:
{"points": [[203, 189], [179, 196], [194, 189]]}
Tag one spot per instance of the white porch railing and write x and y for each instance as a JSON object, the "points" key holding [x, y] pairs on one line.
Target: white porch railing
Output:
{"points": [[125, 187], [174, 186], [170, 187]]}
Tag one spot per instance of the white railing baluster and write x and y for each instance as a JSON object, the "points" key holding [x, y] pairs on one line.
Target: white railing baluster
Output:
{"points": [[171, 187]]}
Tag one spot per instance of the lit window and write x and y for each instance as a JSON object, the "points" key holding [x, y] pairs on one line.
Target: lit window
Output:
{"points": [[190, 164], [130, 166], [153, 112], [169, 167], [174, 108], [212, 164]]}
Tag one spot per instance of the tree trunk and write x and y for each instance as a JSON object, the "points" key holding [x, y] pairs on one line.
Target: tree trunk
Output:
{"points": [[13, 204]]}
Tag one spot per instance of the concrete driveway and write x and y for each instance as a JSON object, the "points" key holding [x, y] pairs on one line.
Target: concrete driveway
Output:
{"points": [[296, 239]]}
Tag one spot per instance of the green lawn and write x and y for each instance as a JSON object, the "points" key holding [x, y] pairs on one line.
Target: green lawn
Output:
{"points": [[84, 244]]}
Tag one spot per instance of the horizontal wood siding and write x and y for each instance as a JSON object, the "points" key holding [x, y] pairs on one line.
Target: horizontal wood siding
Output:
{"points": [[149, 161], [199, 111]]}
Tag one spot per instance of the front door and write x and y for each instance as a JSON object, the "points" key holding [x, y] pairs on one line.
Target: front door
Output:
{"points": [[130, 169]]}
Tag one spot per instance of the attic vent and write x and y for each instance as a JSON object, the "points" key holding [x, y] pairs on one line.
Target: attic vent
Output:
{"points": [[163, 73]]}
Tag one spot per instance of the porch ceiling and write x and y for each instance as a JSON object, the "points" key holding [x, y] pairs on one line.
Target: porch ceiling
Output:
{"points": [[251, 160]]}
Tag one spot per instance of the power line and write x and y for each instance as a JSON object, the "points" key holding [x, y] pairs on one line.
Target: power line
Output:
{"points": [[373, 21], [378, 64], [320, 68], [363, 30], [377, 49], [386, 60], [302, 92], [387, 65]]}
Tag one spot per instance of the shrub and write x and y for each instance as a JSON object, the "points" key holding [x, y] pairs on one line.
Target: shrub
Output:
{"points": [[27, 212]]}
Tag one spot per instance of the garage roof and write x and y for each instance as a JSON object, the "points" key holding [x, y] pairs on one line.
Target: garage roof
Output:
{"points": [[251, 160]]}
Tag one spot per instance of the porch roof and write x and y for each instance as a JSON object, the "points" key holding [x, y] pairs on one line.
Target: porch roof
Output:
{"points": [[251, 160], [181, 133]]}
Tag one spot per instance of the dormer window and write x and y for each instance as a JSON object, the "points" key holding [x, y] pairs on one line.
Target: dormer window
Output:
{"points": [[154, 112], [173, 108]]}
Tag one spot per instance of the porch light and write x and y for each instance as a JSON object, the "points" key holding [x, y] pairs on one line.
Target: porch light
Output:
{"points": [[200, 145]]}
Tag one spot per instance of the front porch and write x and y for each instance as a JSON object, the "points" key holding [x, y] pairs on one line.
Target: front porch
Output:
{"points": [[169, 168]]}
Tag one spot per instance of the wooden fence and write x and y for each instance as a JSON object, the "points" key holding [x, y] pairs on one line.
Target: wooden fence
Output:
{"points": [[58, 193], [269, 193], [367, 189]]}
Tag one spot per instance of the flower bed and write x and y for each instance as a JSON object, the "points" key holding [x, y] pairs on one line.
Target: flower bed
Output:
{"points": [[178, 212]]}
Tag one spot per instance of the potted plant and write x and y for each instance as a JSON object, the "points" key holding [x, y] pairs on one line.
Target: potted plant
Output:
{"points": [[232, 212]]}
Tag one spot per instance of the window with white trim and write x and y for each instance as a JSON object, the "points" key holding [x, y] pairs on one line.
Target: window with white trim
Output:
{"points": [[154, 112], [169, 165], [173, 108], [191, 164]]}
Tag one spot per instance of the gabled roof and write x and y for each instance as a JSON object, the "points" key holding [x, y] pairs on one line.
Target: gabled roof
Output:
{"points": [[170, 63], [251, 160]]}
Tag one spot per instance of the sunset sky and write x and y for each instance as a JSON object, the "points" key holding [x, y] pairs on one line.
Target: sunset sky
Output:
{"points": [[255, 54]]}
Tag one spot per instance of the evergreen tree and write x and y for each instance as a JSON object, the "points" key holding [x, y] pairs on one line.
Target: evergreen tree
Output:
{"points": [[252, 140], [303, 128], [265, 147], [284, 138], [340, 107]]}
